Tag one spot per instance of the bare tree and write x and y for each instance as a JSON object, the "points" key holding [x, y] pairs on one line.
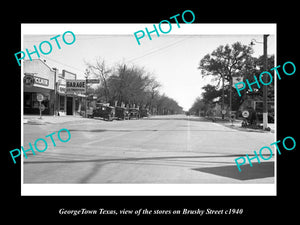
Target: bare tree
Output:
{"points": [[131, 85], [101, 71], [153, 94]]}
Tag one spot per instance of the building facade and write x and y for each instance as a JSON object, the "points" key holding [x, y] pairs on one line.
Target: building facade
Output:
{"points": [[39, 78], [65, 101]]}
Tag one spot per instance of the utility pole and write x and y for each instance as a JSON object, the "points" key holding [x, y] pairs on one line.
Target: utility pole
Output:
{"points": [[222, 97], [55, 92], [265, 88], [87, 72], [230, 94]]}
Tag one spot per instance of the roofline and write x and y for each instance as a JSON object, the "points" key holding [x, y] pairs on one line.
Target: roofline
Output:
{"points": [[42, 62]]}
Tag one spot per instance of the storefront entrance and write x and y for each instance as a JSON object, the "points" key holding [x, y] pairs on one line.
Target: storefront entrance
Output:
{"points": [[69, 105]]}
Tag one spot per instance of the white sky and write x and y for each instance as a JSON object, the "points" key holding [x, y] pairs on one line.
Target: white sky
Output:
{"points": [[173, 58]]}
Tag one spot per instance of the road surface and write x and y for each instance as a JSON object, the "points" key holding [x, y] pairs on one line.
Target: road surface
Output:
{"points": [[165, 149]]}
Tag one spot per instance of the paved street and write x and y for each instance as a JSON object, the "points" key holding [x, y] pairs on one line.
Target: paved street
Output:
{"points": [[165, 149]]}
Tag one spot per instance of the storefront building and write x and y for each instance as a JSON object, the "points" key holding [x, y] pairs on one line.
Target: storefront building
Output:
{"points": [[68, 102], [65, 101], [38, 78]]}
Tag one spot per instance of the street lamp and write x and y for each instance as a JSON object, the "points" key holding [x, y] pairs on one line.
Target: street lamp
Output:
{"points": [[265, 87], [222, 112], [254, 40]]}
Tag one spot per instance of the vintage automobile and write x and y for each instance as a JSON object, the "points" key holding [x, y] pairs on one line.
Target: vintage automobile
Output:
{"points": [[89, 112], [134, 113], [104, 111], [144, 113], [121, 113]]}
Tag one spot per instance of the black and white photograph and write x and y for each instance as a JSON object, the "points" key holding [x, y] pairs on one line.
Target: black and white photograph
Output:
{"points": [[149, 111], [120, 107]]}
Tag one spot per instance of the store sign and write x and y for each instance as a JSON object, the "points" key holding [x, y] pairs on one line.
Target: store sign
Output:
{"points": [[76, 86], [61, 89], [41, 81], [236, 80], [61, 86], [28, 81], [93, 81]]}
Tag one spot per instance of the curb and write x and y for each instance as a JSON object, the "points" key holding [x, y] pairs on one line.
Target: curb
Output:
{"points": [[34, 121], [238, 127], [248, 129], [44, 121]]}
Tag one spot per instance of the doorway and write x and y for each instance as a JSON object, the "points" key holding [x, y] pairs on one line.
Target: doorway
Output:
{"points": [[69, 105]]}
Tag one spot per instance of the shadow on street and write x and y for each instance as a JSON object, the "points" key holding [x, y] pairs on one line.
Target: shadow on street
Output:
{"points": [[262, 170]]}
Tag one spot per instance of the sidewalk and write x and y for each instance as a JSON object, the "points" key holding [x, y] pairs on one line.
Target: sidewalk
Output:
{"points": [[35, 119], [237, 124]]}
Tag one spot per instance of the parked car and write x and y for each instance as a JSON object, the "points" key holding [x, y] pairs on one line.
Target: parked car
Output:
{"points": [[89, 112], [134, 113], [144, 113], [126, 114], [121, 113], [104, 111]]}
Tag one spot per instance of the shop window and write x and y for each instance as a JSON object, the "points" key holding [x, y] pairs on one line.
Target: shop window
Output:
{"points": [[31, 104], [27, 100]]}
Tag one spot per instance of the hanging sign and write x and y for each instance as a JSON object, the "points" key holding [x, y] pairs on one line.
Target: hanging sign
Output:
{"points": [[93, 81], [237, 80], [28, 81]]}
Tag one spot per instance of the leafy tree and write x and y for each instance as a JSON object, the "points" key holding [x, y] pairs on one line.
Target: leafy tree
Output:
{"points": [[226, 62], [166, 106], [198, 106], [210, 93]]}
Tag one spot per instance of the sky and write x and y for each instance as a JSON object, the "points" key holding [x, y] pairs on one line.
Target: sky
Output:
{"points": [[172, 58]]}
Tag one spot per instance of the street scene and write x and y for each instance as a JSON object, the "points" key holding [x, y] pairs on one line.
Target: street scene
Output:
{"points": [[161, 149], [166, 112]]}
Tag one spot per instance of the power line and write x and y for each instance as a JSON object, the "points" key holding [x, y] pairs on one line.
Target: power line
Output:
{"points": [[62, 63], [156, 50], [153, 51], [134, 59]]}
